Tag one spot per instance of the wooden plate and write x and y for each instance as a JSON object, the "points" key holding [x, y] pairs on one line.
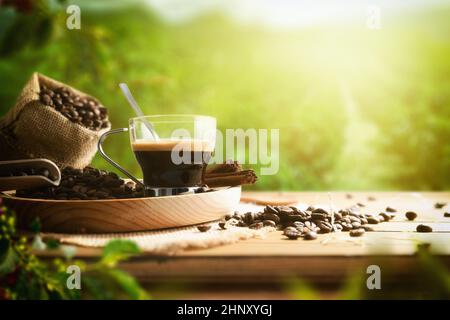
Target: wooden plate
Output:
{"points": [[124, 215]]}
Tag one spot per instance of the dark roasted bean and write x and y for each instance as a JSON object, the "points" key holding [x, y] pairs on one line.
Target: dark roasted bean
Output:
{"points": [[357, 232], [204, 228], [325, 227], [320, 210], [385, 216], [447, 214], [411, 215], [292, 233], [356, 225], [271, 216], [318, 216], [440, 205], [269, 223], [424, 228], [367, 228], [390, 209], [270, 209], [256, 225], [373, 220], [310, 235]]}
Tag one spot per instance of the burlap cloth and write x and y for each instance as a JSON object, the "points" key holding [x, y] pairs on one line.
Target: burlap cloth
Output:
{"points": [[169, 241], [31, 129]]}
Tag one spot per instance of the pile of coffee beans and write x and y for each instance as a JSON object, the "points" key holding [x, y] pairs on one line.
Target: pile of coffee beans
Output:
{"points": [[24, 172], [85, 111], [306, 224], [86, 184]]}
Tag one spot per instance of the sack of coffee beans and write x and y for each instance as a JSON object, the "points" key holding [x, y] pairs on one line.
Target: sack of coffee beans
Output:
{"points": [[54, 121]]}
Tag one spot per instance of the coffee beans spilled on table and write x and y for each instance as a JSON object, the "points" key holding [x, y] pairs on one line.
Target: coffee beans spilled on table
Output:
{"points": [[85, 111], [86, 184], [307, 224]]}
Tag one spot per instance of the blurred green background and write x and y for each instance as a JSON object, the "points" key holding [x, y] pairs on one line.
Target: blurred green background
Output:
{"points": [[357, 108]]}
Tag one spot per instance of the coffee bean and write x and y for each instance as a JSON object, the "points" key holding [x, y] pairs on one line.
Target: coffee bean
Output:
{"points": [[325, 227], [380, 218], [390, 209], [271, 216], [385, 216], [357, 232], [223, 225], [257, 225], [349, 196], [294, 218], [292, 233], [424, 228], [447, 214], [411, 215], [367, 228], [269, 223], [373, 220], [310, 235], [204, 228], [270, 209], [318, 216], [356, 225], [440, 205], [354, 219], [310, 208], [370, 198], [248, 218], [359, 204], [337, 216], [346, 226], [320, 210]]}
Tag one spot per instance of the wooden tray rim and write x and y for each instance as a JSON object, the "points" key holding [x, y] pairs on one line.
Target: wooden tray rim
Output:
{"points": [[4, 194]]}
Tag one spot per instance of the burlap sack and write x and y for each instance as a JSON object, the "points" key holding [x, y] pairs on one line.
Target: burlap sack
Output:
{"points": [[33, 130]]}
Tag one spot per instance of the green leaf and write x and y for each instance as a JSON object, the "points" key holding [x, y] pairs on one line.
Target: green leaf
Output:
{"points": [[8, 257], [118, 250], [128, 284], [35, 225]]}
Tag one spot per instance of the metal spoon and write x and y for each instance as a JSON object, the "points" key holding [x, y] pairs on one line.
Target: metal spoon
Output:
{"points": [[127, 93], [29, 181]]}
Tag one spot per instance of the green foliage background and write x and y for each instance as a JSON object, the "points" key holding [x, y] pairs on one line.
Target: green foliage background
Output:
{"points": [[356, 108]]}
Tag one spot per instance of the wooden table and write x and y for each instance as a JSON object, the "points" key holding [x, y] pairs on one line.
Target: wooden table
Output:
{"points": [[264, 268]]}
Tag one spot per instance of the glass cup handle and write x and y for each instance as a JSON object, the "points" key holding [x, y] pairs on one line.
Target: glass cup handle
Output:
{"points": [[111, 161]]}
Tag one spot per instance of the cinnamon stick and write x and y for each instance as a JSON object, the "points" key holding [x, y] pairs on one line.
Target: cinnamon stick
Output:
{"points": [[229, 166], [230, 178]]}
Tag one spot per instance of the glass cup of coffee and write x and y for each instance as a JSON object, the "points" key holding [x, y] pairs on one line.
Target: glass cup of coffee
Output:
{"points": [[172, 151]]}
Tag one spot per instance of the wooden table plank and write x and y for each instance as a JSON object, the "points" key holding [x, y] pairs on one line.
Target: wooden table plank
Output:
{"points": [[329, 259]]}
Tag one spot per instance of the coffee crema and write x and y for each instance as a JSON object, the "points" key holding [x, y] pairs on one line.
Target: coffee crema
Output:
{"points": [[160, 169]]}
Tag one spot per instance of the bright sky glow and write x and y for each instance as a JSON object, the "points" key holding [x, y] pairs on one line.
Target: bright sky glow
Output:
{"points": [[283, 13]]}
